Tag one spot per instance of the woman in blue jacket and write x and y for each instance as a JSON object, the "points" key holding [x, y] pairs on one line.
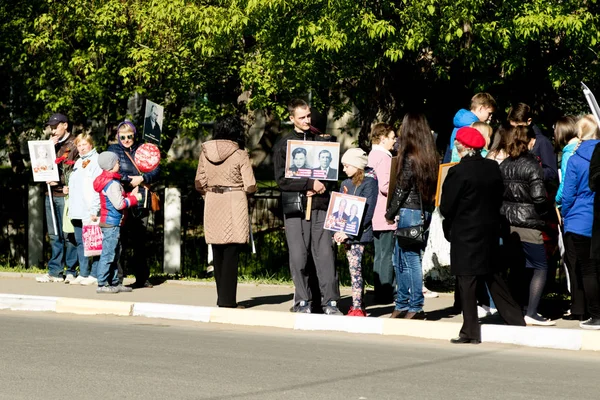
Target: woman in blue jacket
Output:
{"points": [[578, 215], [363, 183], [134, 229]]}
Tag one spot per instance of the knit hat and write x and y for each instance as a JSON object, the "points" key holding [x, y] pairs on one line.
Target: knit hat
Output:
{"points": [[355, 157], [470, 137], [107, 160]]}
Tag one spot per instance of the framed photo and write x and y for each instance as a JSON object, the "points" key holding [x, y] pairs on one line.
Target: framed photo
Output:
{"points": [[442, 173], [153, 122], [43, 159], [393, 180], [344, 213], [308, 159]]}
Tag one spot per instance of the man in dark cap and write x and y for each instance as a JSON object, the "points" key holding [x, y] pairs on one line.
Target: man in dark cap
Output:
{"points": [[470, 204], [64, 247]]}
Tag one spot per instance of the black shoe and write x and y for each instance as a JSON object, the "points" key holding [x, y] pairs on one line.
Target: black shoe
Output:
{"points": [[463, 340], [139, 285], [592, 323], [415, 315], [399, 313]]}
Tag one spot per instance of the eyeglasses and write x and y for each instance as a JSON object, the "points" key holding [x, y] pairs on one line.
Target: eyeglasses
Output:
{"points": [[126, 137]]}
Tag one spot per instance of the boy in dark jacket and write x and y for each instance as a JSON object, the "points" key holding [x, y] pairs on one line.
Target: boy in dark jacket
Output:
{"points": [[113, 201]]}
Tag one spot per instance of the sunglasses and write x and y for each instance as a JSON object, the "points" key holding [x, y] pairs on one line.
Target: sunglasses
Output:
{"points": [[126, 137]]}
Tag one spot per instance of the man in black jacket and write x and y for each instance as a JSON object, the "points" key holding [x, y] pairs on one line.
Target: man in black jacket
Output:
{"points": [[302, 234], [470, 204]]}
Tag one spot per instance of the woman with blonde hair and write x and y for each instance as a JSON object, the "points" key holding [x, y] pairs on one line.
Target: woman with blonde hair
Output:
{"points": [[84, 203], [579, 210]]}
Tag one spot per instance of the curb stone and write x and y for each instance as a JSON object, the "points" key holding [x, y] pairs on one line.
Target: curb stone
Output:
{"points": [[565, 339]]}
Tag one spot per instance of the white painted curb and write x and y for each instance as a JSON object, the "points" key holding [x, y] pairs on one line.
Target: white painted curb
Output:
{"points": [[172, 311], [321, 322], [554, 338], [20, 302]]}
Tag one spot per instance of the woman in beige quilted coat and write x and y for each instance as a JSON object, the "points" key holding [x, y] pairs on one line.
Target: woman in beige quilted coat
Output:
{"points": [[225, 178]]}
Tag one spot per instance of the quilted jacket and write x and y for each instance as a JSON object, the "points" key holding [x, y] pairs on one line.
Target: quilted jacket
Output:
{"points": [[223, 165], [525, 200]]}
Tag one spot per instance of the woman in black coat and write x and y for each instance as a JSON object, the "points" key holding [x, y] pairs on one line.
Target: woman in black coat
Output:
{"points": [[470, 204]]}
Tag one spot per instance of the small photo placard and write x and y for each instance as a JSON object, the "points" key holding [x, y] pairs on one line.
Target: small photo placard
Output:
{"points": [[153, 122], [308, 159], [345, 213], [43, 160]]}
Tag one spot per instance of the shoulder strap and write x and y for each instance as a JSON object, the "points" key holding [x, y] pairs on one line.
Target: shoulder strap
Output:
{"points": [[133, 162]]}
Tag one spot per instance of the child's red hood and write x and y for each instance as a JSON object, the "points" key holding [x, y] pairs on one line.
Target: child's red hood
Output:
{"points": [[105, 177]]}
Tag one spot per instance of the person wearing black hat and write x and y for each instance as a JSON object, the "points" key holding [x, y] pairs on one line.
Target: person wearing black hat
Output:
{"points": [[63, 245], [470, 204]]}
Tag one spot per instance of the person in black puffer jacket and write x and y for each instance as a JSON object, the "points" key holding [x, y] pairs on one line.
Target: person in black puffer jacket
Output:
{"points": [[415, 185], [134, 229], [524, 208]]}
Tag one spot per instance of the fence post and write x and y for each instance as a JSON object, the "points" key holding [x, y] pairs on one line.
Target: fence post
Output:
{"points": [[35, 227], [172, 228]]}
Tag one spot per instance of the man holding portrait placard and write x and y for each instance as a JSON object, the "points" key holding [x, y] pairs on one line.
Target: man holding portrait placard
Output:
{"points": [[304, 234]]}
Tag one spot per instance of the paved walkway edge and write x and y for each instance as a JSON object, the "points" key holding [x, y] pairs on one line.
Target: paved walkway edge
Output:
{"points": [[565, 339]]}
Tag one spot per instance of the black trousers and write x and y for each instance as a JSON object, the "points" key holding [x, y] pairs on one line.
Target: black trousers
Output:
{"points": [[577, 255], [134, 239], [507, 307], [225, 257]]}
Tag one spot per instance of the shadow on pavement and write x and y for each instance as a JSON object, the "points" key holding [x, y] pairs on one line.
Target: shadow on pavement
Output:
{"points": [[262, 300]]}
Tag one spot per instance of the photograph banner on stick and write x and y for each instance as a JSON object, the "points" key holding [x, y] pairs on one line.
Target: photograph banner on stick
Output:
{"points": [[591, 99], [316, 160], [153, 122], [43, 157], [345, 213]]}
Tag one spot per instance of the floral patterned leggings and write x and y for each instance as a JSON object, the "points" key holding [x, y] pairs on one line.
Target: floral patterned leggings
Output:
{"points": [[354, 254]]}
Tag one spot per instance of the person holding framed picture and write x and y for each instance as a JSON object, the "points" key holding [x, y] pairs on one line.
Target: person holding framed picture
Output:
{"points": [[302, 234]]}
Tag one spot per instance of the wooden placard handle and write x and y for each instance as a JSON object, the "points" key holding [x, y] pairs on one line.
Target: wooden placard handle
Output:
{"points": [[308, 208]]}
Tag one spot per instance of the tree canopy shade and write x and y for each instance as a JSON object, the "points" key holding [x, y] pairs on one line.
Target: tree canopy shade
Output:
{"points": [[87, 57]]}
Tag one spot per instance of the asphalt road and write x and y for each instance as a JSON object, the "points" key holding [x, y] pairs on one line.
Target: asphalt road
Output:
{"points": [[53, 356]]}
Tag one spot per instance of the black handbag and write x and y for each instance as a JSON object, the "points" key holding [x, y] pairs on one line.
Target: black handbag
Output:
{"points": [[413, 236], [292, 203]]}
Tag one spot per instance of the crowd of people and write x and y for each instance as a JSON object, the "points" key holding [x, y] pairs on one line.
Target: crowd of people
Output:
{"points": [[96, 189], [507, 212]]}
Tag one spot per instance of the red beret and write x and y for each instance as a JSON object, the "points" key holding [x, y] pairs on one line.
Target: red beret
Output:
{"points": [[470, 137]]}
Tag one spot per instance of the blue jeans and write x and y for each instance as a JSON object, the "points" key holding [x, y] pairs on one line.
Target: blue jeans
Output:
{"points": [[407, 264], [84, 262], [108, 269], [62, 244]]}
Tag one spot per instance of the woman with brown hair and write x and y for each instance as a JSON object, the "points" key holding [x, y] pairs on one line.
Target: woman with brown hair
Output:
{"points": [[225, 178], [411, 205], [565, 139], [524, 206]]}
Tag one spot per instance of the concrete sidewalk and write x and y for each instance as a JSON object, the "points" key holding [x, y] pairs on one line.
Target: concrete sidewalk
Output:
{"points": [[268, 305]]}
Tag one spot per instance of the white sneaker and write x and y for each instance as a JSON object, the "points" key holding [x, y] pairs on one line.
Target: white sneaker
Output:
{"points": [[69, 278], [90, 280], [482, 312], [76, 281], [49, 279], [488, 310], [539, 321], [428, 294]]}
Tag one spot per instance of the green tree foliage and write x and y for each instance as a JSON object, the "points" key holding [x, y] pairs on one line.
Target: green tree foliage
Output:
{"points": [[196, 57]]}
